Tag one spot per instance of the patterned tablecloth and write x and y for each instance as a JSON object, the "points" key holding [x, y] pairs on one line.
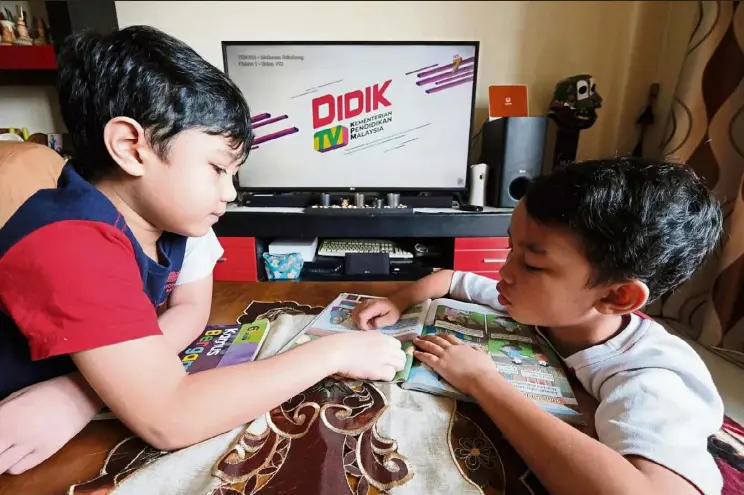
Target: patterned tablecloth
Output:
{"points": [[345, 438]]}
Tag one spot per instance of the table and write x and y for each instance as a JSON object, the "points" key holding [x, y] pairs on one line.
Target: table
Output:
{"points": [[82, 458]]}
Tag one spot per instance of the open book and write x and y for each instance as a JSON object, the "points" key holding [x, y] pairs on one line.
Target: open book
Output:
{"points": [[518, 351]]}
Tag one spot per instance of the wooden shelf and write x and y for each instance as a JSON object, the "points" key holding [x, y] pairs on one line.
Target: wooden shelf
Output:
{"points": [[18, 57], [37, 65]]}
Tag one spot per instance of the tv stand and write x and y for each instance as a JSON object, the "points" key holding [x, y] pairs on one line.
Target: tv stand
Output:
{"points": [[470, 241]]}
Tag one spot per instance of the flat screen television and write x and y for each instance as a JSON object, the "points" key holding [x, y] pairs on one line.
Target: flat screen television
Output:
{"points": [[374, 116]]}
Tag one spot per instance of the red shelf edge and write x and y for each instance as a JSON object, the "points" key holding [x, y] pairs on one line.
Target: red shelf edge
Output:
{"points": [[18, 57]]}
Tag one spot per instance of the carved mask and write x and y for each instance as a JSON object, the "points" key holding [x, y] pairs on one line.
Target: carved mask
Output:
{"points": [[575, 102]]}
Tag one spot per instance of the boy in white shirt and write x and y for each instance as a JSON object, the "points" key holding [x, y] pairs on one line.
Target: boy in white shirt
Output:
{"points": [[591, 244]]}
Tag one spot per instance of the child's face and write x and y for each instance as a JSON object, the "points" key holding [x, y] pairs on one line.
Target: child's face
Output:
{"points": [[189, 192], [545, 279]]}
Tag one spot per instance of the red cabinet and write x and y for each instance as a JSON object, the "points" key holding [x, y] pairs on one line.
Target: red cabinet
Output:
{"points": [[238, 263], [481, 255]]}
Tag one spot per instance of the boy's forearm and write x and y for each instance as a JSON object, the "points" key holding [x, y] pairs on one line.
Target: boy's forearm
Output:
{"points": [[74, 387], [564, 459], [244, 392], [430, 287], [182, 323], [90, 403]]}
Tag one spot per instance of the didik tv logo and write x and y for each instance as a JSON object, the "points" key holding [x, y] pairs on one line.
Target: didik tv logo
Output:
{"points": [[328, 109]]}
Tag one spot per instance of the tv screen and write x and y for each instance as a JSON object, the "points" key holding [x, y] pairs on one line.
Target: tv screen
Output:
{"points": [[368, 116]]}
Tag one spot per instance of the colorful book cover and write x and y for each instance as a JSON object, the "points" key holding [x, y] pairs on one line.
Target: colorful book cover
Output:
{"points": [[225, 345]]}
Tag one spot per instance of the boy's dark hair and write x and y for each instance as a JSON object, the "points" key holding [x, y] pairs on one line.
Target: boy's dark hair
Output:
{"points": [[151, 77], [636, 219]]}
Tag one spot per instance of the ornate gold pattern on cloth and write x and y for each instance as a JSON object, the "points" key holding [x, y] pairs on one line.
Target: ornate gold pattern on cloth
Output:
{"points": [[127, 457], [324, 440]]}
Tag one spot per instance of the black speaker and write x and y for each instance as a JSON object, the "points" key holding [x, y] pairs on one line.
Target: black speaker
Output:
{"points": [[560, 146], [367, 264], [514, 150]]}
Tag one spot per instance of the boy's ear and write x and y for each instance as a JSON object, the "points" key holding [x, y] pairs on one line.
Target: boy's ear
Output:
{"points": [[126, 142], [623, 298]]}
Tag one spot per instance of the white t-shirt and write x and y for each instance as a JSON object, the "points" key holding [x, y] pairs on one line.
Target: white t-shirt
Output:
{"points": [[656, 397], [202, 253]]}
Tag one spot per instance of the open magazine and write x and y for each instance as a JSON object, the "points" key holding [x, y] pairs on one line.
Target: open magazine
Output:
{"points": [[518, 351]]}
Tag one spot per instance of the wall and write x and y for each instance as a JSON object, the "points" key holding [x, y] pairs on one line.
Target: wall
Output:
{"points": [[622, 44], [535, 43], [34, 108]]}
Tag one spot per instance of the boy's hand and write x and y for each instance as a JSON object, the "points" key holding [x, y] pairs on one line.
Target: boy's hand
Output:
{"points": [[368, 355], [461, 365], [375, 313], [39, 420]]}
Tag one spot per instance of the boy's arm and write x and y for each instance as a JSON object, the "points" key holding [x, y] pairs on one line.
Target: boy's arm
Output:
{"points": [[145, 384], [430, 287], [190, 301], [566, 461], [464, 286], [68, 403], [65, 404], [379, 313], [52, 413], [187, 313]]}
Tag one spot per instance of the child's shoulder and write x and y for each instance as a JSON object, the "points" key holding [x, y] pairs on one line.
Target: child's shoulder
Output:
{"points": [[657, 400], [645, 349], [73, 202]]}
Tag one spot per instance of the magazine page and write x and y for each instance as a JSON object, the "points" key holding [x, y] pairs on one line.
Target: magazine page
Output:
{"points": [[337, 318], [400, 376], [519, 354], [531, 366], [224, 345], [465, 321]]}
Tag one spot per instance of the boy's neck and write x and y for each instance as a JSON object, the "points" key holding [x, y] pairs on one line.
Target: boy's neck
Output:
{"points": [[146, 234], [594, 331]]}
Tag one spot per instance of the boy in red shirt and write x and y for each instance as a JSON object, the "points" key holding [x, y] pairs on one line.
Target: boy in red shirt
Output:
{"points": [[158, 134]]}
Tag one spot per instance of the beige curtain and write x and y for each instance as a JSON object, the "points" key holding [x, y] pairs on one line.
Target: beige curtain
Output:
{"points": [[706, 130]]}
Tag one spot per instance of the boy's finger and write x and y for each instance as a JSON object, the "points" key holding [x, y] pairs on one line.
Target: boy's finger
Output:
{"points": [[402, 362], [450, 338], [438, 340], [11, 456], [31, 460], [388, 374], [426, 358], [14, 395], [382, 321], [428, 346], [366, 315]]}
